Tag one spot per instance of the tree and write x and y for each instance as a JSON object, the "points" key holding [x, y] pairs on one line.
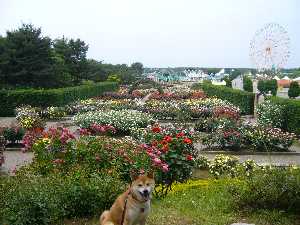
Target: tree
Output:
{"points": [[96, 71], [247, 84], [234, 74], [26, 58], [264, 86], [294, 90], [74, 54], [228, 81], [138, 68]]}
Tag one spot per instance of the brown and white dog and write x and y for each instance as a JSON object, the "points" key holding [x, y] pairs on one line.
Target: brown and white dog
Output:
{"points": [[133, 206]]}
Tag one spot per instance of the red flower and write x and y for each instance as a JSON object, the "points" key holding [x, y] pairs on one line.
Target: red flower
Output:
{"points": [[164, 142], [181, 134], [189, 157], [156, 129], [154, 143], [187, 140], [168, 138], [165, 148]]}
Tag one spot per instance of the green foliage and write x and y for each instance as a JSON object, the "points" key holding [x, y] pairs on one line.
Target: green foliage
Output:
{"points": [[10, 99], [73, 52], [264, 86], [113, 78], [247, 84], [138, 67], [291, 109], [228, 81], [242, 99], [13, 133], [269, 188], [28, 199], [26, 59], [294, 90]]}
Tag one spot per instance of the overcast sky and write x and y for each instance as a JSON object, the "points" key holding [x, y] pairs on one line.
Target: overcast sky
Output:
{"points": [[160, 33]]}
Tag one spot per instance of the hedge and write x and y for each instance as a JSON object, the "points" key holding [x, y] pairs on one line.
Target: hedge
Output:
{"points": [[244, 100], [291, 109], [10, 99]]}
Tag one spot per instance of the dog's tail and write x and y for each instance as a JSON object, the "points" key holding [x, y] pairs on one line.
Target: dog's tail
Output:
{"points": [[103, 219]]}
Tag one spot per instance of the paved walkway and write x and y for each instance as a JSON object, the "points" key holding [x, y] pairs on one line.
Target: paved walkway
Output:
{"points": [[14, 160]]}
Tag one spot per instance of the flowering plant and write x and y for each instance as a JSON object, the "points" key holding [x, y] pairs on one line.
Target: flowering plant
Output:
{"points": [[223, 165], [122, 120], [29, 117], [96, 129], [270, 114], [53, 112], [170, 149]]}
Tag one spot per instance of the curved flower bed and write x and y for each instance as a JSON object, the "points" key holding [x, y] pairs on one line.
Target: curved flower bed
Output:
{"points": [[122, 120]]}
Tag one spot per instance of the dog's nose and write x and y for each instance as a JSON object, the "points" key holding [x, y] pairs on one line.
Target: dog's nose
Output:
{"points": [[146, 192]]}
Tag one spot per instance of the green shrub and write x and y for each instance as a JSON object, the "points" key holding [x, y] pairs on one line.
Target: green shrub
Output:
{"points": [[269, 188], [247, 84], [10, 99], [264, 86], [244, 100], [294, 90], [13, 134], [291, 109], [28, 199]]}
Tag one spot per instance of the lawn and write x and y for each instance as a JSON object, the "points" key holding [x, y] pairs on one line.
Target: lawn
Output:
{"points": [[205, 203]]}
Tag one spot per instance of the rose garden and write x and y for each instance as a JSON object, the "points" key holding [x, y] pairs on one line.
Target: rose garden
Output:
{"points": [[85, 145]]}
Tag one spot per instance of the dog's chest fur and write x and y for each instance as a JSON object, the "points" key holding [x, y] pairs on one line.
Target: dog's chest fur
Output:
{"points": [[137, 212]]}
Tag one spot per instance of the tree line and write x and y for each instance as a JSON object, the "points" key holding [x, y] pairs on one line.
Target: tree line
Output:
{"points": [[29, 59]]}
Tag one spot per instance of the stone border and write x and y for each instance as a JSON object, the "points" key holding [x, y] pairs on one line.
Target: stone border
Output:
{"points": [[251, 153]]}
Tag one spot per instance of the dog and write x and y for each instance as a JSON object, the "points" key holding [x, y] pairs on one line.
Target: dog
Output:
{"points": [[133, 206]]}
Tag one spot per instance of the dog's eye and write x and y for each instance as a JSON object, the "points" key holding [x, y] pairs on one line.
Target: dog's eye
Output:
{"points": [[140, 185], [148, 184]]}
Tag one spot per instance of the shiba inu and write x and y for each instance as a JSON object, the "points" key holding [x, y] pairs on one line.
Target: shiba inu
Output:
{"points": [[133, 206]]}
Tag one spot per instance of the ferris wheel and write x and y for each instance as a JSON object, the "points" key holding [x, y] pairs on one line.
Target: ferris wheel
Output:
{"points": [[269, 48]]}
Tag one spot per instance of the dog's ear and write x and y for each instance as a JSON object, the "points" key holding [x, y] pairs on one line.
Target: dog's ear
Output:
{"points": [[133, 175], [151, 174]]}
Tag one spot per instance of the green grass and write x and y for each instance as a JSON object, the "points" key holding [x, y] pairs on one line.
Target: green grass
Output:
{"points": [[207, 203]]}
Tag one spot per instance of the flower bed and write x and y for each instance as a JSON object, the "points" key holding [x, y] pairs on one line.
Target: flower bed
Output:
{"points": [[191, 108], [102, 104], [235, 135], [122, 120]]}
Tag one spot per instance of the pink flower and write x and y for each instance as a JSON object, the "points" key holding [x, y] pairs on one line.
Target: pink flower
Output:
{"points": [[165, 168], [157, 161]]}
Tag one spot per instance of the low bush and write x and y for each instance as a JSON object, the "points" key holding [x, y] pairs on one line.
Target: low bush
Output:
{"points": [[270, 114], [244, 100], [172, 150], [234, 135], [269, 189], [13, 134], [291, 111], [122, 120], [10, 99], [29, 117], [28, 199]]}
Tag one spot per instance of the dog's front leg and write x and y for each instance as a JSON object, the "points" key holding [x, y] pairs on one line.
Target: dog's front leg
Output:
{"points": [[126, 222], [143, 222]]}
